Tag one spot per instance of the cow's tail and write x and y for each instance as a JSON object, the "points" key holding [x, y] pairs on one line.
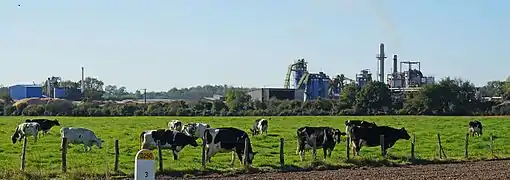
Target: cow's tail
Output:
{"points": [[141, 138]]}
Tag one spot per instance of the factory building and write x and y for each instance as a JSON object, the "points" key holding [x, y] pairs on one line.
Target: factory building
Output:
{"points": [[264, 94], [20, 91]]}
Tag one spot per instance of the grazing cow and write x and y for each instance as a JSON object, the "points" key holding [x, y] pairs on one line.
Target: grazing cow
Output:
{"points": [[259, 127], [229, 139], [175, 125], [324, 137], [78, 135], [350, 123], [370, 137], [46, 124], [196, 130], [475, 127], [26, 129], [168, 139]]}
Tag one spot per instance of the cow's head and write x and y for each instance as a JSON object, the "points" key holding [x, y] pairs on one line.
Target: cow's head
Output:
{"points": [[404, 134], [190, 130], [337, 134], [191, 140], [54, 122], [251, 156], [99, 143], [14, 137]]}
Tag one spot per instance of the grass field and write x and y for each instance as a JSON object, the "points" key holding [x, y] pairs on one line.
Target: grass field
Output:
{"points": [[43, 158]]}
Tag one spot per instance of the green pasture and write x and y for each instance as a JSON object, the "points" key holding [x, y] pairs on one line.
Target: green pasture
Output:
{"points": [[43, 158]]}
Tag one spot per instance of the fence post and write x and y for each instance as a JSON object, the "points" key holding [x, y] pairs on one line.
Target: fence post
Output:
{"points": [[246, 146], [282, 157], [64, 155], [23, 152], [383, 149], [441, 150], [347, 147], [466, 145], [160, 155], [116, 167], [413, 144], [491, 146], [204, 152]]}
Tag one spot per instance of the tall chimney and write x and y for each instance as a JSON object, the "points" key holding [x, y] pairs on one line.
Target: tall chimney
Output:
{"points": [[381, 58], [82, 79], [48, 87], [395, 63]]}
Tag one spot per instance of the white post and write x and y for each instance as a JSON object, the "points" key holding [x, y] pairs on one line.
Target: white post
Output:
{"points": [[144, 165]]}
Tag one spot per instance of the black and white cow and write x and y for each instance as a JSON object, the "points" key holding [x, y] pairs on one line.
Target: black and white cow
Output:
{"points": [[324, 138], [370, 137], [228, 139], [196, 130], [475, 127], [350, 123], [79, 135], [26, 129], [46, 124], [260, 126], [168, 139], [175, 125]]}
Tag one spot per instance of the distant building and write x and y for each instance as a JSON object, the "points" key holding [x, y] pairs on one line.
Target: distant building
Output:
{"points": [[215, 97], [264, 94], [20, 91]]}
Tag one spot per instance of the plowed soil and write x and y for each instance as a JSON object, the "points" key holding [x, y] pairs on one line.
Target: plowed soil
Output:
{"points": [[468, 170]]}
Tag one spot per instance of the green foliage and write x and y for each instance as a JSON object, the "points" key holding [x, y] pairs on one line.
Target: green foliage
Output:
{"points": [[448, 97]]}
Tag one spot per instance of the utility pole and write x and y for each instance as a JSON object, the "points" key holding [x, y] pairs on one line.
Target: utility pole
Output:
{"points": [[145, 96]]}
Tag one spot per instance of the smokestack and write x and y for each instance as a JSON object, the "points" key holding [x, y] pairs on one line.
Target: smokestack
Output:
{"points": [[395, 63], [381, 58], [48, 87], [82, 79]]}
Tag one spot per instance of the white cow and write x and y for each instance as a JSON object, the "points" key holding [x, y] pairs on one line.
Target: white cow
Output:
{"points": [[77, 135], [195, 130], [175, 125], [26, 129]]}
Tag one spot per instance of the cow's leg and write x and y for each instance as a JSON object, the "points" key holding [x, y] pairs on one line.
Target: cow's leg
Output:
{"points": [[176, 154], [325, 150], [240, 156], [233, 158]]}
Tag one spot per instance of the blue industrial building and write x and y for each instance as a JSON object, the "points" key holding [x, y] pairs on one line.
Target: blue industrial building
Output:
{"points": [[17, 92]]}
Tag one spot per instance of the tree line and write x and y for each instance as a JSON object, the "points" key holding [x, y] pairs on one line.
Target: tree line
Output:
{"points": [[447, 97]]}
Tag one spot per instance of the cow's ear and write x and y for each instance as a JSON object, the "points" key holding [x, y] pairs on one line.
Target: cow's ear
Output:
{"points": [[403, 129]]}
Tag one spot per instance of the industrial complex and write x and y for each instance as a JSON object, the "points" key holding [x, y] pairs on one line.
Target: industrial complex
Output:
{"points": [[52, 90], [300, 84]]}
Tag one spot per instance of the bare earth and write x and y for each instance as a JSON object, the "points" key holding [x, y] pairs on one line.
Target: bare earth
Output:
{"points": [[468, 170]]}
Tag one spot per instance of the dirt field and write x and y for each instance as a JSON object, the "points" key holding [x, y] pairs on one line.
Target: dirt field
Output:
{"points": [[469, 170]]}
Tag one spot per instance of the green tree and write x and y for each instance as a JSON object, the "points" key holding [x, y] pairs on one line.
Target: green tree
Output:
{"points": [[373, 98]]}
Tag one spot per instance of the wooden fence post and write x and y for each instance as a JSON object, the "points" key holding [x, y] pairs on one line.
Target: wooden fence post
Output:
{"points": [[347, 147], [23, 152], [204, 152], [64, 155], [160, 155], [491, 146], [466, 145], [413, 144], [116, 167], [441, 151], [246, 146], [383, 152], [282, 157]]}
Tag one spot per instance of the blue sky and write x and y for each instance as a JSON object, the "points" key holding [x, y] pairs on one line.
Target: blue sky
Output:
{"points": [[160, 44]]}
